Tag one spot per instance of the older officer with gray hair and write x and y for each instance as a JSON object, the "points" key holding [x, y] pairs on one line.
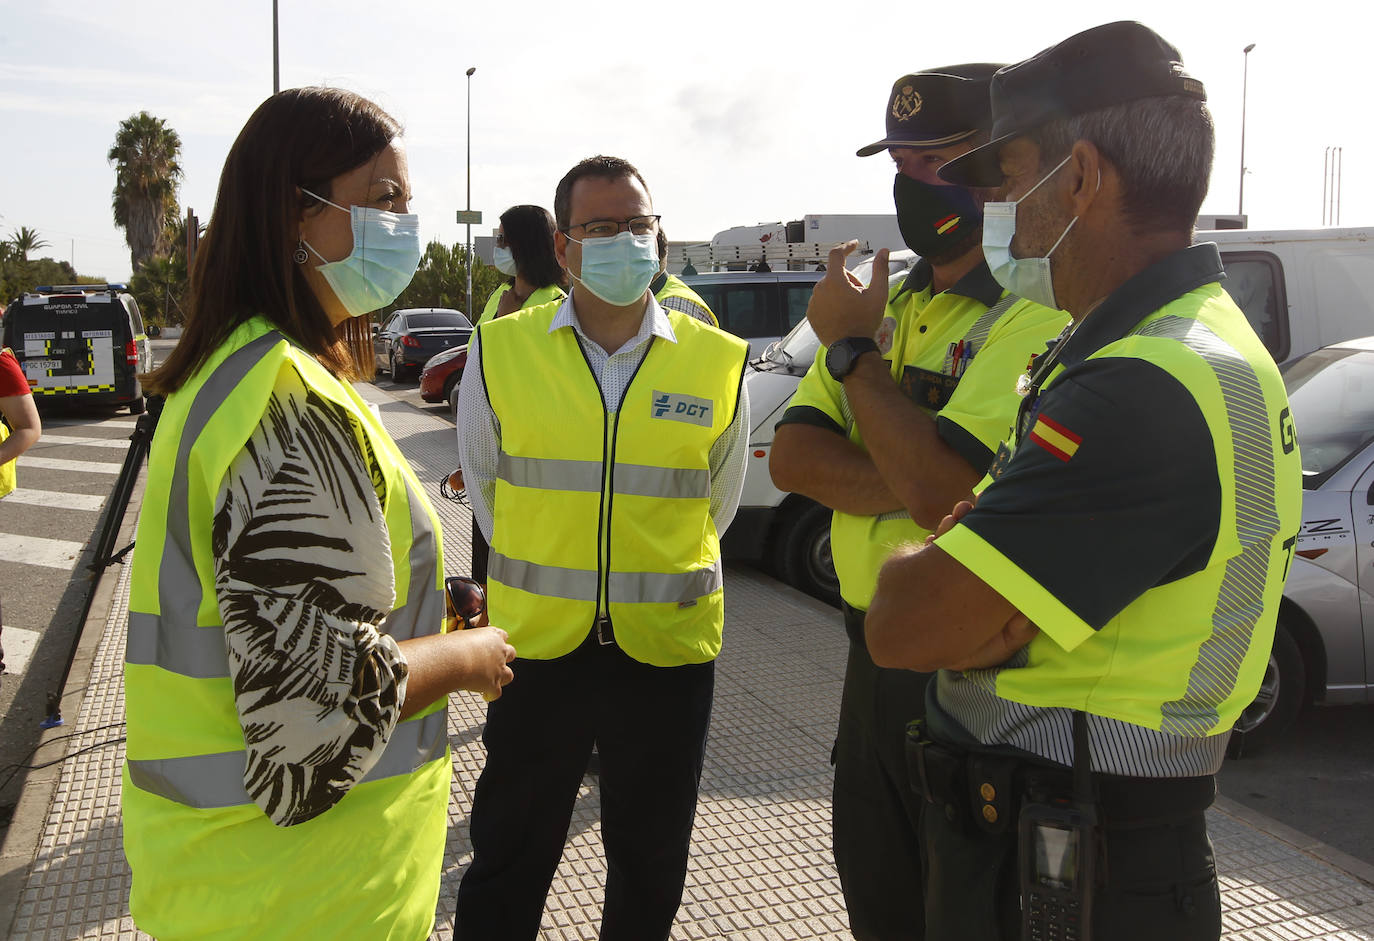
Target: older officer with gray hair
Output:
{"points": [[1110, 601]]}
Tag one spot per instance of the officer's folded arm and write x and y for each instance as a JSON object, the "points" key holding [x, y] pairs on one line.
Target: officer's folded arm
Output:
{"points": [[932, 613]]}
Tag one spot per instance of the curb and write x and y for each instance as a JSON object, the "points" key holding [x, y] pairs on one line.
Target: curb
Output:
{"points": [[21, 841], [1309, 846]]}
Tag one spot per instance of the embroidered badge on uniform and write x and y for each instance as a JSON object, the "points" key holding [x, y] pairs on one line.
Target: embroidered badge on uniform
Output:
{"points": [[1055, 438]]}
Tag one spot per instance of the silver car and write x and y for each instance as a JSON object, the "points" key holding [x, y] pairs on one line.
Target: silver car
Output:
{"points": [[1324, 645]]}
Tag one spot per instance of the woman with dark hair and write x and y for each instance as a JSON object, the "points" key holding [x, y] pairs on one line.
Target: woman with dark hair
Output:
{"points": [[285, 676], [524, 252]]}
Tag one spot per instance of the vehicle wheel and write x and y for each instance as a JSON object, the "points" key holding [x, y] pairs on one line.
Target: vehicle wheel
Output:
{"points": [[802, 552], [1280, 698], [395, 368], [138, 406], [451, 393]]}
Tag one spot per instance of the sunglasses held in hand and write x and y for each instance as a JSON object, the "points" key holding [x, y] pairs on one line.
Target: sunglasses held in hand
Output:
{"points": [[467, 600]]}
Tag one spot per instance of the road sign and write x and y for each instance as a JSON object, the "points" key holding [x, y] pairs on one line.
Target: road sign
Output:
{"points": [[469, 216]]}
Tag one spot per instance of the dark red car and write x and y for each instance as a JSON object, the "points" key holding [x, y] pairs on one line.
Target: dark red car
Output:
{"points": [[441, 375]]}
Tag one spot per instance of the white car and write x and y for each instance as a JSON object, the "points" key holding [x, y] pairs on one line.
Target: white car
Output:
{"points": [[1324, 644]]}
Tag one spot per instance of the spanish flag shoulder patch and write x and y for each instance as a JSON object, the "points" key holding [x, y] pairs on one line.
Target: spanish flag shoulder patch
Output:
{"points": [[1055, 438]]}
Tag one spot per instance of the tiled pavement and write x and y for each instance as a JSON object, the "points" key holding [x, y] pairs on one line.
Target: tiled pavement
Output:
{"points": [[760, 864]]}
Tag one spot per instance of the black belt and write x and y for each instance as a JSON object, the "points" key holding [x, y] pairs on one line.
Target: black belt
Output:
{"points": [[988, 789], [854, 624]]}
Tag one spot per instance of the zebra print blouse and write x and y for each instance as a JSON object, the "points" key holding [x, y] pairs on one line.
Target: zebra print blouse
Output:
{"points": [[303, 576]]}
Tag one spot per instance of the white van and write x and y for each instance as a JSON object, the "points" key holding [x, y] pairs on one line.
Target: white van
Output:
{"points": [[1300, 289]]}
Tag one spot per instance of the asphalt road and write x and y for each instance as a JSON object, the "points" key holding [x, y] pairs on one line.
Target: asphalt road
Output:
{"points": [[1318, 780]]}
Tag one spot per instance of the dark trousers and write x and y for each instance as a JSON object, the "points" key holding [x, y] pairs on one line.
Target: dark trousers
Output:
{"points": [[1156, 881], [480, 549], [649, 726], [876, 815]]}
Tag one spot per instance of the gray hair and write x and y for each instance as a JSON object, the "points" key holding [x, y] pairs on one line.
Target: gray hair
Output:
{"points": [[1161, 147]]}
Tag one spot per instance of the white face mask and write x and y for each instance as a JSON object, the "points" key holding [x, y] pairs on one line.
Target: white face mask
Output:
{"points": [[503, 260], [1029, 278], [618, 269], [386, 253]]}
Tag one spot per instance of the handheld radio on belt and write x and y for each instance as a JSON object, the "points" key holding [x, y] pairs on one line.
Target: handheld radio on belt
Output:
{"points": [[1058, 853]]}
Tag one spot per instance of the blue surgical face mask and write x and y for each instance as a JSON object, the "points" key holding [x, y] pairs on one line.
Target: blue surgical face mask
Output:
{"points": [[385, 256], [1030, 278], [618, 269], [503, 260]]}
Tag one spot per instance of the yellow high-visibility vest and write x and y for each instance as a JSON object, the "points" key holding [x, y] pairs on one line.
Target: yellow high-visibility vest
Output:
{"points": [[607, 513], [206, 861]]}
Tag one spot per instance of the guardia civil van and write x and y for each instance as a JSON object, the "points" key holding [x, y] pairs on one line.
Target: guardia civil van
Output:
{"points": [[80, 342]]}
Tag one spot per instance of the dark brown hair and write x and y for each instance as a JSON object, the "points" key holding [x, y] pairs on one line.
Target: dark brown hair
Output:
{"points": [[302, 137], [601, 166], [529, 236]]}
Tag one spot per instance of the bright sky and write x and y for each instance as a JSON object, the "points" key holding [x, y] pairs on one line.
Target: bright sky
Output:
{"points": [[736, 113]]}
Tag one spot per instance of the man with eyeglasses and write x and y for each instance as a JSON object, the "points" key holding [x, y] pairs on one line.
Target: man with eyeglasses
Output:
{"points": [[603, 440]]}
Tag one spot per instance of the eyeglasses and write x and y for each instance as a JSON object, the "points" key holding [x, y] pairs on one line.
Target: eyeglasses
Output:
{"points": [[466, 598], [606, 228]]}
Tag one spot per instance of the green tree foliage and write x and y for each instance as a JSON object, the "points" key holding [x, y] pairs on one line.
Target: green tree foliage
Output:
{"points": [[18, 275], [441, 281], [146, 155], [25, 240], [160, 289]]}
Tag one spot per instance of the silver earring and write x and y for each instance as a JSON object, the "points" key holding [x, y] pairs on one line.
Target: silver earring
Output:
{"points": [[299, 256]]}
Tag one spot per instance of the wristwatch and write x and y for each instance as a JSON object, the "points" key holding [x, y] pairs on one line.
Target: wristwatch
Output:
{"points": [[841, 355]]}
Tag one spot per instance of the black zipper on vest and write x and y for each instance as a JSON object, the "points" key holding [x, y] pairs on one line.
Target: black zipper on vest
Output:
{"points": [[601, 623]]}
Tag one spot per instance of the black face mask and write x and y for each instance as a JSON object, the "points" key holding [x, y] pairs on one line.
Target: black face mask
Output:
{"points": [[934, 219]]}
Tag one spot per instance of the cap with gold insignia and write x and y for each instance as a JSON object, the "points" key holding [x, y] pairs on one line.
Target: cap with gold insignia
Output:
{"points": [[1097, 68], [936, 107]]}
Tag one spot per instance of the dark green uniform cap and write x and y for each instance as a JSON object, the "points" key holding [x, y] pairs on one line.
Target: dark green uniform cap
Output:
{"points": [[1104, 66], [937, 107]]}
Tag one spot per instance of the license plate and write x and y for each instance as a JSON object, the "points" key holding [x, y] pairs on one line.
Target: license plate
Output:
{"points": [[42, 364]]}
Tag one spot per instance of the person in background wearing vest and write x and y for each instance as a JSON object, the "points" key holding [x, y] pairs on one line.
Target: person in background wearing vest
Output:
{"points": [[1105, 611], [285, 679], [524, 252], [604, 441], [672, 293], [913, 389]]}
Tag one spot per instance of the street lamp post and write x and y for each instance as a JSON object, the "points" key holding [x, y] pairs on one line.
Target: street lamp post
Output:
{"points": [[470, 311], [276, 58], [1244, 88]]}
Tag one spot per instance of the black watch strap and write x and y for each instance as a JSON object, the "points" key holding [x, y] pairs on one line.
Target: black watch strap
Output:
{"points": [[841, 355]]}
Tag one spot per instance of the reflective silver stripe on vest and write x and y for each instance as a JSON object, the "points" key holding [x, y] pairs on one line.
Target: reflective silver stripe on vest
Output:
{"points": [[195, 651], [208, 781], [1240, 597], [978, 333], [641, 480], [662, 587], [674, 483], [551, 581], [624, 587], [549, 474], [423, 611]]}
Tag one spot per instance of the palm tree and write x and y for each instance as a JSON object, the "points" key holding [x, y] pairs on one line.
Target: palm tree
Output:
{"points": [[145, 154], [25, 240]]}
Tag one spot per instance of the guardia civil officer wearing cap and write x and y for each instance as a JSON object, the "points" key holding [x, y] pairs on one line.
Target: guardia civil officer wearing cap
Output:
{"points": [[1105, 611], [901, 415], [603, 443]]}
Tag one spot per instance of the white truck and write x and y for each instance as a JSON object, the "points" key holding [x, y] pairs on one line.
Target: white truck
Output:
{"points": [[797, 245], [1301, 289]]}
